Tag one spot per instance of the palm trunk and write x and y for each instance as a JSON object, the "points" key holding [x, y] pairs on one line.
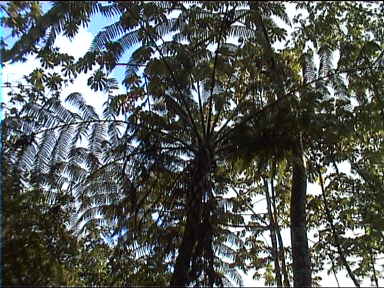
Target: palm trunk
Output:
{"points": [[300, 250]]}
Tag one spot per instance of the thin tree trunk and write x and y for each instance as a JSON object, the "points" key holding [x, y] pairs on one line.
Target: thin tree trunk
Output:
{"points": [[272, 231], [282, 257], [302, 275], [371, 257], [334, 270], [334, 232], [373, 266], [300, 251], [278, 233]]}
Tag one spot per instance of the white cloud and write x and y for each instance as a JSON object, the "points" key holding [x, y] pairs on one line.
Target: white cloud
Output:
{"points": [[76, 47]]}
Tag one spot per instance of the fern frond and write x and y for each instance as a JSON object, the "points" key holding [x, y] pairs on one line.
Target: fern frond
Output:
{"points": [[63, 144], [55, 107], [27, 159], [130, 39], [325, 54], [107, 35], [87, 111], [239, 31], [43, 156], [308, 67], [75, 172], [97, 137], [109, 10]]}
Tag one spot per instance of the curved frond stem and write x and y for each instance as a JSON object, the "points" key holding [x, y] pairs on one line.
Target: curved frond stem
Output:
{"points": [[172, 75], [228, 22], [334, 232], [217, 117], [80, 122], [198, 88], [213, 78]]}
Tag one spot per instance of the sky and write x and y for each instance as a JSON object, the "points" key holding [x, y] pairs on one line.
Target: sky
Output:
{"points": [[78, 47]]}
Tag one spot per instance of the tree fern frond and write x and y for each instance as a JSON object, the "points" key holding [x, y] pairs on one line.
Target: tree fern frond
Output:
{"points": [[231, 238], [77, 155], [81, 132], [44, 154], [341, 90], [56, 108], [38, 116], [130, 39], [109, 10], [325, 54], [232, 273], [75, 172], [27, 158], [308, 66], [86, 217], [97, 137], [87, 111], [225, 251], [114, 132], [239, 31], [107, 35], [63, 145], [57, 177]]}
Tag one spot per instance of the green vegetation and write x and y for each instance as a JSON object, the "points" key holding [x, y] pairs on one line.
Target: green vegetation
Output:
{"points": [[214, 117]]}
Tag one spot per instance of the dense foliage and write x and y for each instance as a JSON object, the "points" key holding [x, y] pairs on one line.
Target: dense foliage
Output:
{"points": [[214, 118]]}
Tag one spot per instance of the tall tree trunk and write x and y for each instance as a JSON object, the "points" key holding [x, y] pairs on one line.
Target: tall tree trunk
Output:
{"points": [[272, 227], [199, 186], [282, 257], [278, 233], [180, 276], [300, 251]]}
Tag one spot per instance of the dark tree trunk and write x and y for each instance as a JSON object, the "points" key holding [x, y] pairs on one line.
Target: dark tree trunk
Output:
{"points": [[300, 252], [278, 233], [272, 230], [180, 275], [199, 186]]}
